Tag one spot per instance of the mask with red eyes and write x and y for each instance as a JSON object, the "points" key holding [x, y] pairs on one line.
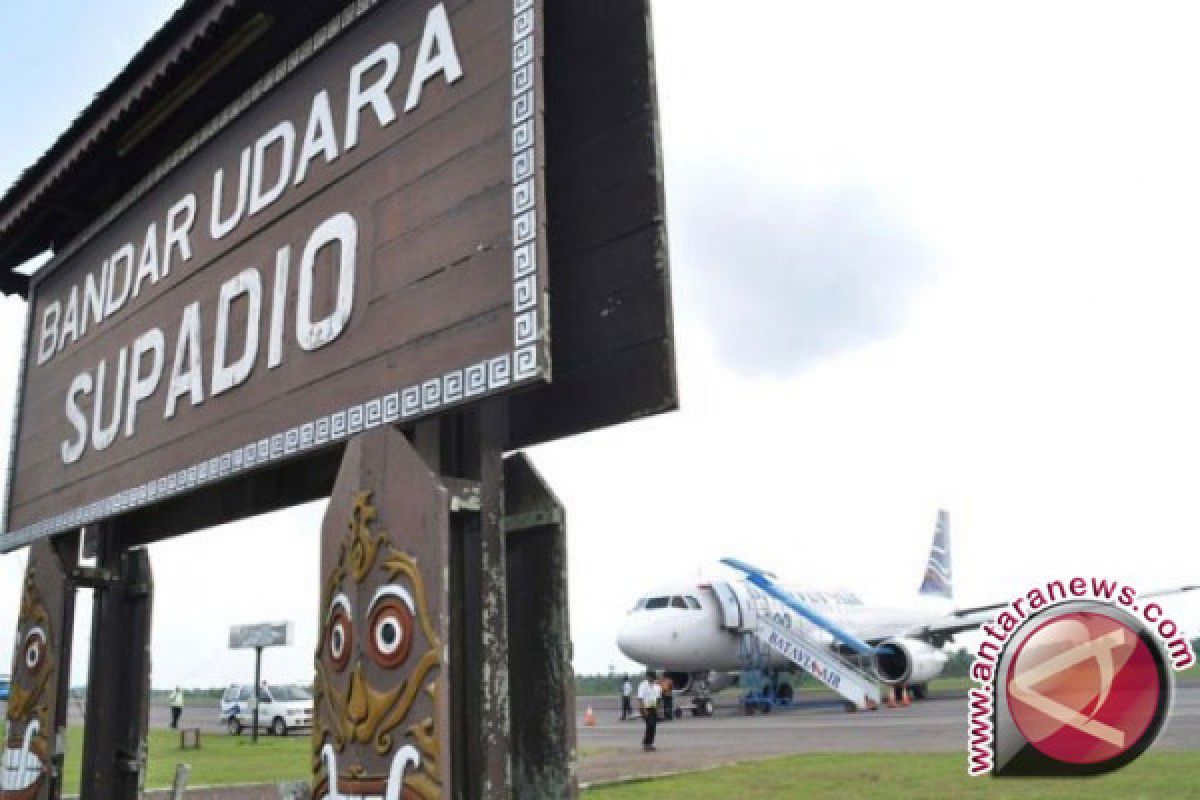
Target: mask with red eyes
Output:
{"points": [[379, 704], [35, 677]]}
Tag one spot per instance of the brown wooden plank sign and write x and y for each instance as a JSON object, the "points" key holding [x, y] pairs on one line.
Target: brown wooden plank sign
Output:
{"points": [[358, 241], [381, 710]]}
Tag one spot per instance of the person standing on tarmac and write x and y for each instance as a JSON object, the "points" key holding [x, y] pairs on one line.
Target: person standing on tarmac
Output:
{"points": [[648, 696], [176, 706], [626, 697]]}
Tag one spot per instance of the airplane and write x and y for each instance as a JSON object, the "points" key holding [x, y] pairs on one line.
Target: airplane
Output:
{"points": [[704, 635], [696, 633]]}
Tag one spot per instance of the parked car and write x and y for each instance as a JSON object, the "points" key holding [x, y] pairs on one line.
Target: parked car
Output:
{"points": [[281, 709]]}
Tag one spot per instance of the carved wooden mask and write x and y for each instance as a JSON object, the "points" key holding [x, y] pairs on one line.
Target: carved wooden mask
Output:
{"points": [[38, 658], [381, 714]]}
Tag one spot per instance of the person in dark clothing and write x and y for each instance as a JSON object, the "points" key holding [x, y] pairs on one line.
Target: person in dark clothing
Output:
{"points": [[176, 706], [648, 696]]}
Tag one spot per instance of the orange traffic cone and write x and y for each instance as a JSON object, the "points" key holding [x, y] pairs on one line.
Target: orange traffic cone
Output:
{"points": [[905, 697], [589, 717]]}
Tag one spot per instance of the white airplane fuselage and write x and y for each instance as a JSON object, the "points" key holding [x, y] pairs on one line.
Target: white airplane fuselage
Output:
{"points": [[695, 639], [711, 629]]}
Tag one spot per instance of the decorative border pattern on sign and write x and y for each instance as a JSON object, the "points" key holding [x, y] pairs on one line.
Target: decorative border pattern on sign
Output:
{"points": [[466, 383], [526, 331]]}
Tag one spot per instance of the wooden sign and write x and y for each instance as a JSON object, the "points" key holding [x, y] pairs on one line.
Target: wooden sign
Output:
{"points": [[357, 241]]}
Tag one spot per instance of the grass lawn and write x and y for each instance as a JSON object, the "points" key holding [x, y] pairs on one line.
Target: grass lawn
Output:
{"points": [[221, 759], [925, 775]]}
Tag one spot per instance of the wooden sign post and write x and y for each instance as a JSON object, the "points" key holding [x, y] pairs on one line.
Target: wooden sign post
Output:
{"points": [[118, 697], [541, 678], [358, 250], [382, 717]]}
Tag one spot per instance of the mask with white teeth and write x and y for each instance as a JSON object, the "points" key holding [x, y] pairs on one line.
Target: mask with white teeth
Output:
{"points": [[380, 711], [33, 693]]}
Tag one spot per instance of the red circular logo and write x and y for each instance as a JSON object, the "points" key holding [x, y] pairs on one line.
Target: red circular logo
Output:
{"points": [[1083, 688]]}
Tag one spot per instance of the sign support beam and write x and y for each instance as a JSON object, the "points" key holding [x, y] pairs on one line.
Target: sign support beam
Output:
{"points": [[114, 744], [469, 446], [541, 678]]}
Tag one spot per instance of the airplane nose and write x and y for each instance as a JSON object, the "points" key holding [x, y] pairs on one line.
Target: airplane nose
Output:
{"points": [[631, 642]]}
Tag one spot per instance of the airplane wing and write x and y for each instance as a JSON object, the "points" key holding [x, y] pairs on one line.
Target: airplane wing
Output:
{"points": [[1176, 590], [966, 619], [940, 630]]}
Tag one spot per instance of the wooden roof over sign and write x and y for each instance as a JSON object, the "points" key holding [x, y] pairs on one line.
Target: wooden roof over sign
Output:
{"points": [[192, 67]]}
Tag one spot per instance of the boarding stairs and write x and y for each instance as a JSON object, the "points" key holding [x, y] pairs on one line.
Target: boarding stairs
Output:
{"points": [[765, 627]]}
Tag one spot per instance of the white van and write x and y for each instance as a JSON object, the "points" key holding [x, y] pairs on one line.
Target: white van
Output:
{"points": [[282, 709]]}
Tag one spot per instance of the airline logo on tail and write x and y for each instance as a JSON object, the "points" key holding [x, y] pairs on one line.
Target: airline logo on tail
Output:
{"points": [[939, 578]]}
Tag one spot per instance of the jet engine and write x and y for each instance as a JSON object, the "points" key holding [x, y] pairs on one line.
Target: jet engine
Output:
{"points": [[908, 661]]}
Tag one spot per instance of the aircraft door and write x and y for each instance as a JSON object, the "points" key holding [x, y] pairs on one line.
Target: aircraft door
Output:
{"points": [[731, 607]]}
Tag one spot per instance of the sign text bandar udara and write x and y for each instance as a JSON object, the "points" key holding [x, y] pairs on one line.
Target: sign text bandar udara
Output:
{"points": [[364, 244]]}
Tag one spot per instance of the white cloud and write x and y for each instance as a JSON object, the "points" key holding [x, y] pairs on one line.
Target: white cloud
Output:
{"points": [[790, 276]]}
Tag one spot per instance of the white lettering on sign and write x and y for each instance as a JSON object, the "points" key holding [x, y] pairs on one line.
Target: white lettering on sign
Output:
{"points": [[187, 377], [140, 367], [163, 370], [264, 171], [343, 230], [227, 375], [436, 55]]}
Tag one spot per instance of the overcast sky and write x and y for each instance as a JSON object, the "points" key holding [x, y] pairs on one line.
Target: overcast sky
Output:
{"points": [[925, 255]]}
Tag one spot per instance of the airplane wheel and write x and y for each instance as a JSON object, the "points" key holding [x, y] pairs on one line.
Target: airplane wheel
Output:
{"points": [[785, 693], [919, 691], [851, 708], [706, 707]]}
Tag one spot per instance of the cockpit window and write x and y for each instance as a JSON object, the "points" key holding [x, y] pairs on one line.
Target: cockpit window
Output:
{"points": [[657, 602], [677, 602], [692, 602]]}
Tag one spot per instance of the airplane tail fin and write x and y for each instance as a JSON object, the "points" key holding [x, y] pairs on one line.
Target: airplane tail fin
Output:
{"points": [[939, 575]]}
